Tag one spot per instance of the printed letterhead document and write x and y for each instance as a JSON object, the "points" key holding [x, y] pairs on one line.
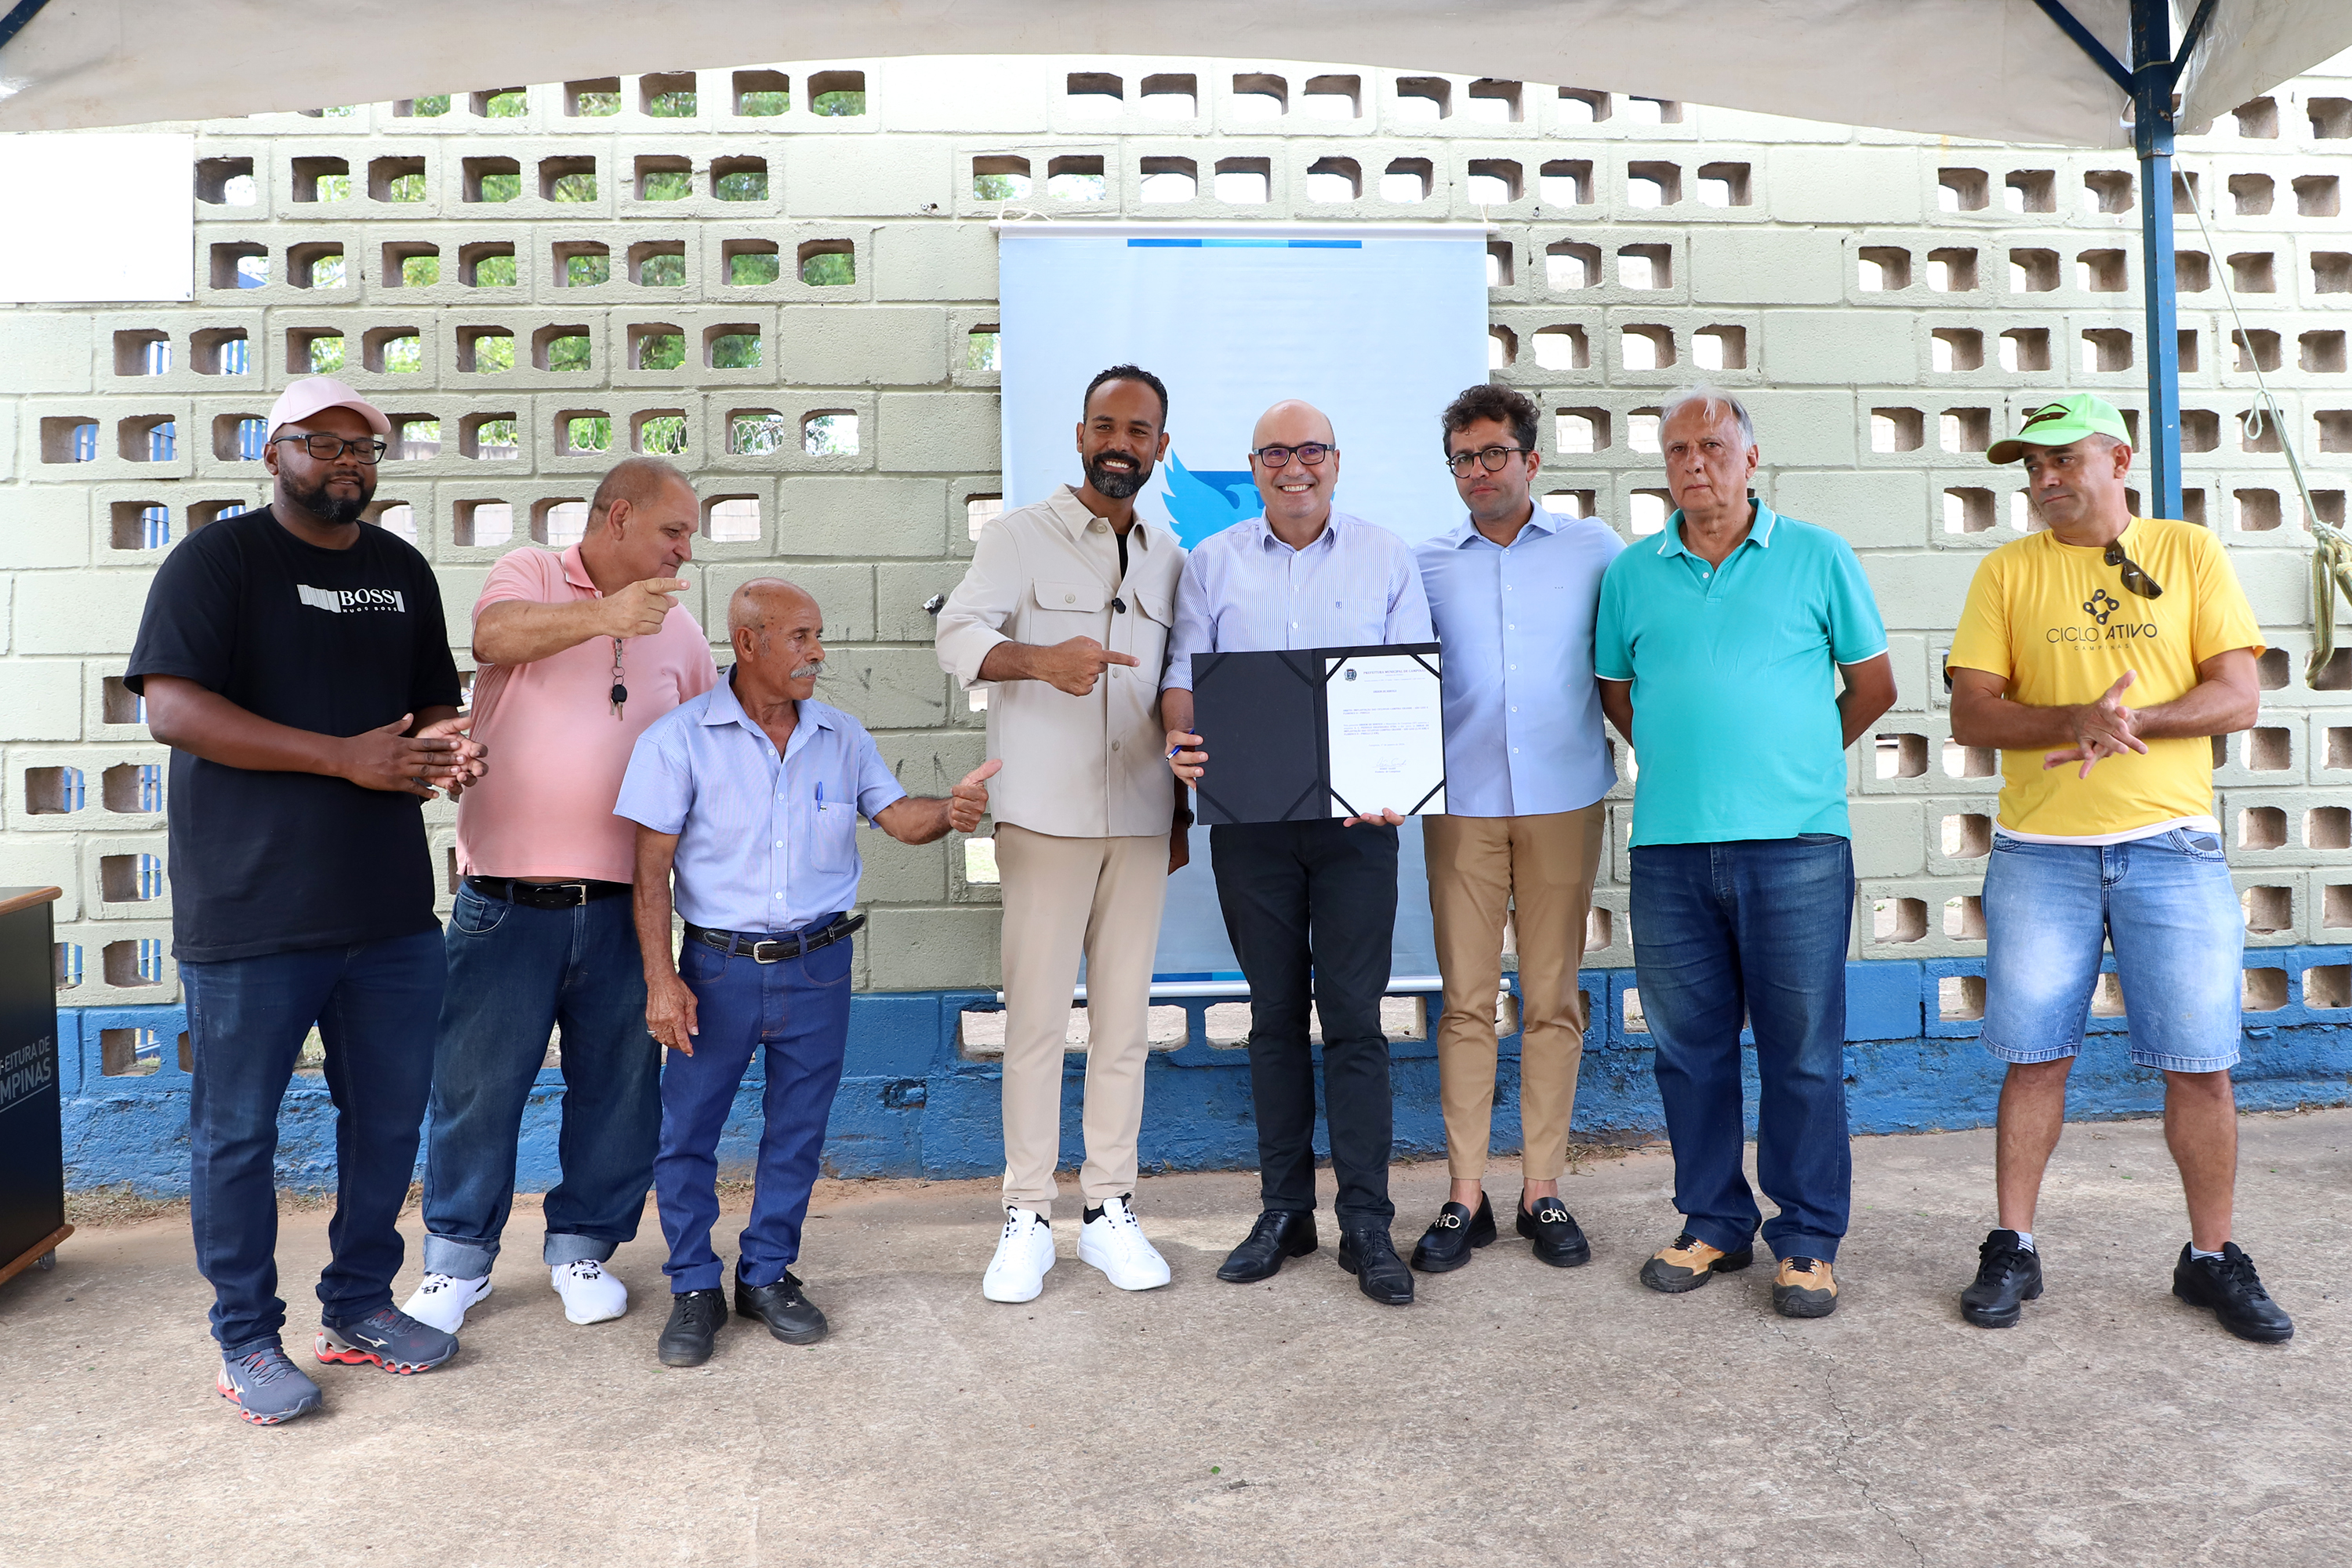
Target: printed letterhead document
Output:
{"points": [[1384, 729]]}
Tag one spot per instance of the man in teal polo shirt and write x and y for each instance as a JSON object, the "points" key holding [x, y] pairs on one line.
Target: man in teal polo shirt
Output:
{"points": [[1718, 639]]}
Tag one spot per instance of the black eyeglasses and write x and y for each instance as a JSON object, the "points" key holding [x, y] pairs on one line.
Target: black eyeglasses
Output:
{"points": [[327, 448], [1310, 453], [1490, 458], [2134, 580]]}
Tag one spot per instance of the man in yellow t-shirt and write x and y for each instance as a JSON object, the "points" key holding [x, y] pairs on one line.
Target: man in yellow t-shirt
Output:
{"points": [[2099, 654]]}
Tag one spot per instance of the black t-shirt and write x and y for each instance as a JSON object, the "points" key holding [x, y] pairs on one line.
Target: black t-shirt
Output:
{"points": [[332, 641]]}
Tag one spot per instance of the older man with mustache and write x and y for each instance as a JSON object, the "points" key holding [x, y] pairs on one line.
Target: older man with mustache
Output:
{"points": [[1063, 620], [1310, 906]]}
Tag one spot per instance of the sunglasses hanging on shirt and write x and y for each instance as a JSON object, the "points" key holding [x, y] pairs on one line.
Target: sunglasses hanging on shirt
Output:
{"points": [[2134, 580]]}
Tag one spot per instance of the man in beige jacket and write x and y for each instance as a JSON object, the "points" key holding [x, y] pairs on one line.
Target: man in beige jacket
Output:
{"points": [[1063, 618]]}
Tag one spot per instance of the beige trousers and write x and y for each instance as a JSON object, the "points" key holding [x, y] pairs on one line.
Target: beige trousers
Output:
{"points": [[1540, 868], [1063, 898]]}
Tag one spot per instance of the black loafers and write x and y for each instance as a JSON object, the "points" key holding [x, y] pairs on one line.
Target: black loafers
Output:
{"points": [[695, 1318], [1447, 1243], [789, 1316], [1559, 1240], [1366, 1252], [1278, 1234], [2008, 1276]]}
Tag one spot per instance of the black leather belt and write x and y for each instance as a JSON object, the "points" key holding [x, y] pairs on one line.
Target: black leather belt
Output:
{"points": [[545, 895], [776, 949]]}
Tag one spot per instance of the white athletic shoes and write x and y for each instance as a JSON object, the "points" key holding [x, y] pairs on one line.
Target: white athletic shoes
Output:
{"points": [[1023, 1253], [590, 1295], [1115, 1244], [443, 1301]]}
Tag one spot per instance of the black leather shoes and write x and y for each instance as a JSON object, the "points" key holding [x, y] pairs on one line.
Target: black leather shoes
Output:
{"points": [[789, 1316], [2008, 1276], [2230, 1288], [1559, 1240], [1366, 1252], [1447, 1243], [1278, 1234], [695, 1317]]}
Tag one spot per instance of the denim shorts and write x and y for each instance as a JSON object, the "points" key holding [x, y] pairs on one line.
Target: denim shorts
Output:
{"points": [[2166, 905]]}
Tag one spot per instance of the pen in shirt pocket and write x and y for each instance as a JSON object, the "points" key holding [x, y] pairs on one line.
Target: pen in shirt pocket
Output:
{"points": [[820, 794]]}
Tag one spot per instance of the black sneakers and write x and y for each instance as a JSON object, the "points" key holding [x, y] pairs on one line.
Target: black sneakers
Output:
{"points": [[789, 1316], [695, 1320], [2229, 1286], [1447, 1245], [2007, 1277]]}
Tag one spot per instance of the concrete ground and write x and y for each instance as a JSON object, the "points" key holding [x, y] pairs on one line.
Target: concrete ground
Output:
{"points": [[1515, 1415]]}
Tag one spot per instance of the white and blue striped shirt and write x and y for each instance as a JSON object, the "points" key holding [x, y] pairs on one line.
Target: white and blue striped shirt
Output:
{"points": [[1244, 591]]}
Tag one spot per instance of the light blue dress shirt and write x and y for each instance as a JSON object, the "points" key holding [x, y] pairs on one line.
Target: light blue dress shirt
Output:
{"points": [[1522, 716], [764, 843], [1244, 591]]}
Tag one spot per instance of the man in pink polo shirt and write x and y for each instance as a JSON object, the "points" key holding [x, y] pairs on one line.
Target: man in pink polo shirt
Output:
{"points": [[578, 654]]}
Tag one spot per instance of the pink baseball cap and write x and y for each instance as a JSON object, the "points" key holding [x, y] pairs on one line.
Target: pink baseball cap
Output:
{"points": [[317, 393]]}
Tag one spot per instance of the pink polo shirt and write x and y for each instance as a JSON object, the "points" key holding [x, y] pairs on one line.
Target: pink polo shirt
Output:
{"points": [[557, 754]]}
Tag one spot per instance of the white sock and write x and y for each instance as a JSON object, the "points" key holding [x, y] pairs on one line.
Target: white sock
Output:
{"points": [[2195, 1252], [2024, 1239]]}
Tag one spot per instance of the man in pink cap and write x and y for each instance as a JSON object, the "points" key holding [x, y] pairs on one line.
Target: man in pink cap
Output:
{"points": [[579, 652], [295, 660]]}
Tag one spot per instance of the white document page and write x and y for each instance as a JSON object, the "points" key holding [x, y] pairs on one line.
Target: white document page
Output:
{"points": [[1387, 731]]}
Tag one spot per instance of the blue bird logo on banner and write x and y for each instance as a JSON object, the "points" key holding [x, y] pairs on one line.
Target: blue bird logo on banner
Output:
{"points": [[1203, 503]]}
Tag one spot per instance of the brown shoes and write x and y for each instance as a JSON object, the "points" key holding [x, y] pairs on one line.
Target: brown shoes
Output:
{"points": [[1804, 1288], [1686, 1263]]}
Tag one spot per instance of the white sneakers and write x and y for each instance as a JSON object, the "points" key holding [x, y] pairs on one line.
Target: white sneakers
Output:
{"points": [[443, 1301], [1111, 1241], [1115, 1244], [590, 1295], [1023, 1253]]}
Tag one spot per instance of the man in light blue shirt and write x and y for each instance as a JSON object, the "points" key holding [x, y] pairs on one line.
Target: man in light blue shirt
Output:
{"points": [[750, 795], [1512, 590], [1719, 649], [1310, 906]]}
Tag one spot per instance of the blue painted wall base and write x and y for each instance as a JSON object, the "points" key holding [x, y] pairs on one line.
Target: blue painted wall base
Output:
{"points": [[911, 1104]]}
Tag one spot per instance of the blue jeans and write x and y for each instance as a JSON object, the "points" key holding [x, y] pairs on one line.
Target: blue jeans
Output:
{"points": [[2167, 904], [1760, 926], [514, 973], [374, 1004], [799, 1009]]}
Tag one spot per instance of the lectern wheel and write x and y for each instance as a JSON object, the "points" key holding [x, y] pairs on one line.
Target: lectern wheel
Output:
{"points": [[46, 1260]]}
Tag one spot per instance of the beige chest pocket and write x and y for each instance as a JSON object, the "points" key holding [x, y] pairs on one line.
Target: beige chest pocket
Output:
{"points": [[1069, 598]]}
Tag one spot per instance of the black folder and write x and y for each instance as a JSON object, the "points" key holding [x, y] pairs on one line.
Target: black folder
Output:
{"points": [[1262, 717]]}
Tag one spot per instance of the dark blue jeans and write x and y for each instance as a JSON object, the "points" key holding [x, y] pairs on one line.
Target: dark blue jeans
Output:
{"points": [[1760, 926], [375, 1004], [515, 973], [799, 1009]]}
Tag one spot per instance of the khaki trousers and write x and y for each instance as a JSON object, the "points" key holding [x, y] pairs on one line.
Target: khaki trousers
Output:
{"points": [[1064, 898], [1542, 867]]}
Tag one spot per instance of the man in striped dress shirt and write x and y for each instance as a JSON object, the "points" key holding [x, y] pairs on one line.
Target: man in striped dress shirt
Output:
{"points": [[1310, 906]]}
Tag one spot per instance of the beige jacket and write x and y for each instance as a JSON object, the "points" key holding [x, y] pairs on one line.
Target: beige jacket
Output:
{"points": [[1075, 767]]}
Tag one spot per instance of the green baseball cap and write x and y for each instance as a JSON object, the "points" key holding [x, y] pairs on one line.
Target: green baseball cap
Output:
{"points": [[2056, 423]]}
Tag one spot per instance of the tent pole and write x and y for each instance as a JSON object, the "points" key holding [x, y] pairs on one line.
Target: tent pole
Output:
{"points": [[2154, 73]]}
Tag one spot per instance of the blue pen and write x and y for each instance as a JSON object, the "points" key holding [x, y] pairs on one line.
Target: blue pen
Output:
{"points": [[820, 794]]}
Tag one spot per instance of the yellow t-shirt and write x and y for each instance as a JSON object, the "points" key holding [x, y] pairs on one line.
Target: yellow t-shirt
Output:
{"points": [[2056, 623]]}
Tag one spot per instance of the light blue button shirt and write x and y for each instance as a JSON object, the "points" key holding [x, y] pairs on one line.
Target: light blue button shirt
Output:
{"points": [[1244, 591], [1522, 716], [765, 843]]}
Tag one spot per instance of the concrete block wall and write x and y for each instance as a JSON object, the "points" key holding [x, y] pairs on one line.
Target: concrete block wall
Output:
{"points": [[1861, 288]]}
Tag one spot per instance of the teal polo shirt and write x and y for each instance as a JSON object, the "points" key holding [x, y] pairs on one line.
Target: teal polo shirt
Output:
{"points": [[1735, 686]]}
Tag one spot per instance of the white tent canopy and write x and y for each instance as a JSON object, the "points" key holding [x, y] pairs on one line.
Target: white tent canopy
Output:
{"points": [[1999, 69]]}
